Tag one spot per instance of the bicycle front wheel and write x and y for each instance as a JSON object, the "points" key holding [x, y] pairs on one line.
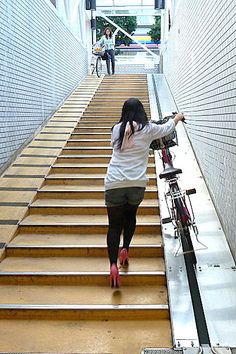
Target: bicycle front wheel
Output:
{"points": [[99, 66]]}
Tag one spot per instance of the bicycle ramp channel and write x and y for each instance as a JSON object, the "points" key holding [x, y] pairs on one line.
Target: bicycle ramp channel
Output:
{"points": [[54, 273]]}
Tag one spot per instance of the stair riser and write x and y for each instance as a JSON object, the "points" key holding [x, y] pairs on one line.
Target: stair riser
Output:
{"points": [[122, 97], [85, 182], [94, 279], [98, 119], [93, 151], [112, 117], [84, 229], [89, 170], [90, 136], [80, 252], [121, 91], [92, 130], [85, 210], [106, 107], [99, 122], [91, 194], [84, 151], [88, 143], [86, 315], [82, 160], [85, 159]]}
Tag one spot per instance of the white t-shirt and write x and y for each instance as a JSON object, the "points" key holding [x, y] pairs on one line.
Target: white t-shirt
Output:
{"points": [[128, 168]]}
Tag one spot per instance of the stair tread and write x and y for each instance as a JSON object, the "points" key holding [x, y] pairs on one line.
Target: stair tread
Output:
{"points": [[58, 187], [85, 264], [78, 165], [83, 175], [105, 335], [100, 203], [87, 148], [11, 245], [78, 239], [82, 294], [74, 219]]}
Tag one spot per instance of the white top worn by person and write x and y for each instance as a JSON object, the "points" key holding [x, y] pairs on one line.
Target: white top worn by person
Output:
{"points": [[127, 167]]}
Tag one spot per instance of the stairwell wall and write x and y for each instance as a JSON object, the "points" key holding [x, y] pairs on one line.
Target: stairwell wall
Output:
{"points": [[200, 67], [41, 62]]}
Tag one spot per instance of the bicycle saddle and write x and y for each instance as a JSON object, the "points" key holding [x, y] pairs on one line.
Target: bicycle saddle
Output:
{"points": [[170, 172]]}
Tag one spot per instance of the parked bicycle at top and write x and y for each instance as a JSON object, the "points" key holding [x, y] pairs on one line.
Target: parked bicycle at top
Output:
{"points": [[96, 61]]}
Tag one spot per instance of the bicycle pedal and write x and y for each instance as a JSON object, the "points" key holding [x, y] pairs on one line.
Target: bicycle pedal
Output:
{"points": [[166, 220], [190, 191]]}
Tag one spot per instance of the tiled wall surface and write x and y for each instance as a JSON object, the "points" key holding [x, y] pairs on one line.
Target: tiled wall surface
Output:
{"points": [[40, 64], [200, 67]]}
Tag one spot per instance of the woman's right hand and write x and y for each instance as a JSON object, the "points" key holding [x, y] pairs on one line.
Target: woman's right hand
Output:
{"points": [[178, 117]]}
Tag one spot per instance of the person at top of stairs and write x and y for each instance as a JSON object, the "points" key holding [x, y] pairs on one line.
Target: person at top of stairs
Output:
{"points": [[126, 180], [108, 42]]}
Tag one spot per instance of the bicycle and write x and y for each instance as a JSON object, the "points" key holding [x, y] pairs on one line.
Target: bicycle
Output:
{"points": [[96, 61], [178, 201], [183, 221]]}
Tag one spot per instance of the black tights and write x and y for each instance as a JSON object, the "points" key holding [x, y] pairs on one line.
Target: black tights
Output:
{"points": [[121, 218]]}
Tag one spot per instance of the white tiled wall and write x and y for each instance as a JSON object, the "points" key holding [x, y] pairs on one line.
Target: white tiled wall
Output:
{"points": [[200, 67], [40, 64]]}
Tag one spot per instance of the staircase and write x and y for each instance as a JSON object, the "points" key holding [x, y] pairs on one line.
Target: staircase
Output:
{"points": [[54, 280]]}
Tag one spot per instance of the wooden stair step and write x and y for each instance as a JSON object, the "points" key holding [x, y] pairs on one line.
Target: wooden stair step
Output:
{"points": [[78, 219], [13, 250], [77, 158], [79, 239], [97, 119], [88, 143], [106, 335], [75, 264], [76, 169], [96, 180], [84, 209], [115, 103], [100, 136], [85, 312], [122, 89], [95, 129], [101, 123], [141, 294], [106, 109], [79, 278], [122, 96], [81, 159], [90, 150], [94, 228], [82, 192], [75, 203]]}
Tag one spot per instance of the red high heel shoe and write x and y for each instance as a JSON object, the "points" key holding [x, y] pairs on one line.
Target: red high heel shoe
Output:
{"points": [[114, 276], [123, 257]]}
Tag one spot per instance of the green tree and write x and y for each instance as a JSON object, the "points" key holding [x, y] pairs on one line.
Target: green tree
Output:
{"points": [[128, 23], [155, 32]]}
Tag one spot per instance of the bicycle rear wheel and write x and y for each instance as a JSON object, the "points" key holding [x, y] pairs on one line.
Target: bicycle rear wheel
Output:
{"points": [[186, 240], [99, 66]]}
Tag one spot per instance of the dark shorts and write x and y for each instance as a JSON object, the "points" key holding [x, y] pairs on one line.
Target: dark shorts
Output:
{"points": [[122, 196]]}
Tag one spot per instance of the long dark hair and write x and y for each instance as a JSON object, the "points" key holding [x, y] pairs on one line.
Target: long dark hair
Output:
{"points": [[132, 110], [104, 32]]}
